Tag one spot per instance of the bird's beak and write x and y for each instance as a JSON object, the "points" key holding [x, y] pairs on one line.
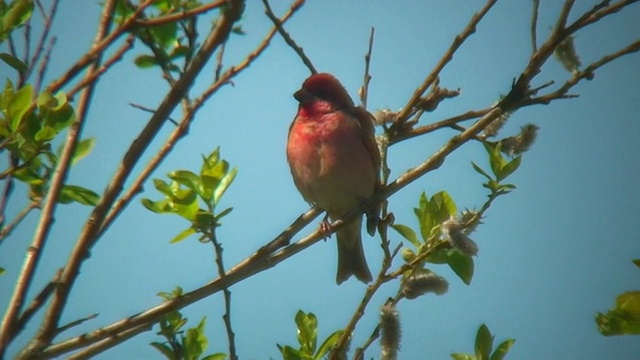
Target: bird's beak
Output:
{"points": [[303, 96]]}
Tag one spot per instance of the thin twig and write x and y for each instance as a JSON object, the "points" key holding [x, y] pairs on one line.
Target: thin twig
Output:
{"points": [[44, 64], [23, 283], [364, 94], [183, 15], [6, 230], [151, 111], [74, 323], [91, 351], [227, 294], [92, 227], [39, 49], [98, 48], [287, 38], [116, 57], [181, 130], [444, 60], [438, 125], [587, 73], [534, 26]]}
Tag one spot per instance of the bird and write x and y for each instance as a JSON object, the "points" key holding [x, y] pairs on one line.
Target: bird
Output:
{"points": [[335, 163]]}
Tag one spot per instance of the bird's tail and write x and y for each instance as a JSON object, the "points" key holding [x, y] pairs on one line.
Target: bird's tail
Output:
{"points": [[351, 260]]}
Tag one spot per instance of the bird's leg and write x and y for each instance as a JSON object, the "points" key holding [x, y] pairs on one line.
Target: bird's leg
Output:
{"points": [[325, 226]]}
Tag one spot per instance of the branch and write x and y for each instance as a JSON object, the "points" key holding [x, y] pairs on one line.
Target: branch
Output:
{"points": [[534, 26], [367, 77], [116, 57], [92, 227], [183, 15], [23, 283], [287, 38], [578, 76], [448, 55]]}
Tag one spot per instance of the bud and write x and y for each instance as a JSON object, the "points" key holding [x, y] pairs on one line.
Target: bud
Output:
{"points": [[515, 145], [385, 116], [453, 230], [471, 220], [494, 127], [390, 332], [421, 283]]}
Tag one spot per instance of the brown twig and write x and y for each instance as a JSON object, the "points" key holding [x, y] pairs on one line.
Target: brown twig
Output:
{"points": [[179, 132], [44, 64], [287, 38], [92, 227], [6, 230], [438, 125], [90, 351], [587, 73], [9, 329], [367, 77], [183, 15], [116, 57], [97, 49], [234, 70], [39, 49], [444, 60], [219, 260], [534, 25]]}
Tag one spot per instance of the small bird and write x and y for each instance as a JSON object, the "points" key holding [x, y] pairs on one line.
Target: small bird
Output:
{"points": [[335, 163]]}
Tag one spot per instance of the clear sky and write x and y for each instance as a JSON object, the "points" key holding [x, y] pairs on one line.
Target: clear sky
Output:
{"points": [[552, 254]]}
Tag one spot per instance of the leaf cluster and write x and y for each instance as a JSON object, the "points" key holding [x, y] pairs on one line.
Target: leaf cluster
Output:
{"points": [[307, 329], [484, 347], [194, 197]]}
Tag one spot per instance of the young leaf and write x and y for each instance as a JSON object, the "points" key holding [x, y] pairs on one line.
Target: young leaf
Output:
{"points": [[159, 207], [70, 193], [164, 349], [484, 343], [183, 235], [479, 170], [461, 264], [307, 331], [195, 341], [502, 349], [460, 356], [407, 233], [83, 148], [13, 61], [18, 106], [216, 356], [327, 345]]}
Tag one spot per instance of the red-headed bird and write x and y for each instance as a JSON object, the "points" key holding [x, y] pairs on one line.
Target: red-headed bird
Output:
{"points": [[335, 163]]}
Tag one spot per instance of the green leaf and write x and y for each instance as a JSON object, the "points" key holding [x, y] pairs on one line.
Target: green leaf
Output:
{"points": [[444, 205], [165, 35], [179, 51], [163, 187], [14, 62], [327, 345], [164, 349], [18, 106], [224, 184], [461, 264], [160, 207], [216, 356], [16, 14], [183, 235], [509, 168], [55, 110], [479, 170], [502, 349], [630, 303], [289, 353], [45, 134], [83, 148], [71, 193], [307, 332], [460, 356], [195, 341], [188, 179], [637, 262], [185, 203], [145, 61], [407, 233], [2, 271], [484, 343]]}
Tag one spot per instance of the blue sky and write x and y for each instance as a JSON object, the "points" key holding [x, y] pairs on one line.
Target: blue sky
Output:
{"points": [[552, 254]]}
